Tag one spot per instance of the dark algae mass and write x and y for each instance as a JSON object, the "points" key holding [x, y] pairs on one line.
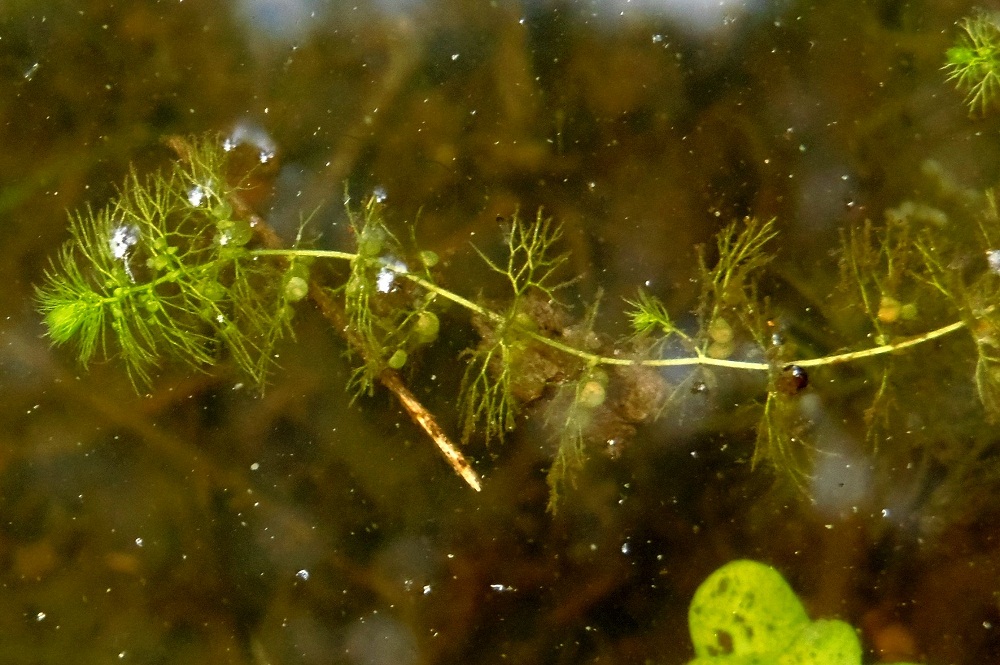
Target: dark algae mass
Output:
{"points": [[660, 331]]}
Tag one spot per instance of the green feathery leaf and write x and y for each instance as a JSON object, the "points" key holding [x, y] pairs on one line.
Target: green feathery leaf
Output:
{"points": [[530, 262], [163, 272], [974, 62], [487, 399]]}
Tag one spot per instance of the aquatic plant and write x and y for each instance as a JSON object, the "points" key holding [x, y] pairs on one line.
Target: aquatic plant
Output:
{"points": [[177, 267], [745, 612], [974, 62]]}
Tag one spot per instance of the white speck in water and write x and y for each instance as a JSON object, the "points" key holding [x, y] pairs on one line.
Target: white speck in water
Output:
{"points": [[255, 466], [454, 57], [885, 512], [501, 588], [380, 194], [303, 575], [40, 616], [29, 73], [427, 589], [138, 542], [657, 39], [626, 548]]}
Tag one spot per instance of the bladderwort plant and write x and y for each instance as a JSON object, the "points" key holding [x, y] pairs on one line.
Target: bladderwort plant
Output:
{"points": [[178, 268], [973, 63]]}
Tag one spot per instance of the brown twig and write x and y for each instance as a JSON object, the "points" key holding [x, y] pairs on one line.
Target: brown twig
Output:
{"points": [[391, 379]]}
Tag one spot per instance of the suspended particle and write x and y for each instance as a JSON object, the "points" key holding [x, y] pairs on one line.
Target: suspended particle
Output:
{"points": [[792, 381]]}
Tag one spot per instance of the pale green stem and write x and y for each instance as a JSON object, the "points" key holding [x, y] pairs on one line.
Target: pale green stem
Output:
{"points": [[169, 277], [594, 359], [316, 253]]}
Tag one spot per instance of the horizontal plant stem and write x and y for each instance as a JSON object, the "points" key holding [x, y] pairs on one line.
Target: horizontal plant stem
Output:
{"points": [[316, 253], [596, 359], [169, 277], [882, 349]]}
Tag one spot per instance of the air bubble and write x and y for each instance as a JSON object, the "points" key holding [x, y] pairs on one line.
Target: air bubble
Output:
{"points": [[123, 239], [993, 259], [251, 134]]}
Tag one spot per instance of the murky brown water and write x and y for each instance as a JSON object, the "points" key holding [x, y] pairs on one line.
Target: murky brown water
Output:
{"points": [[202, 524]]}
